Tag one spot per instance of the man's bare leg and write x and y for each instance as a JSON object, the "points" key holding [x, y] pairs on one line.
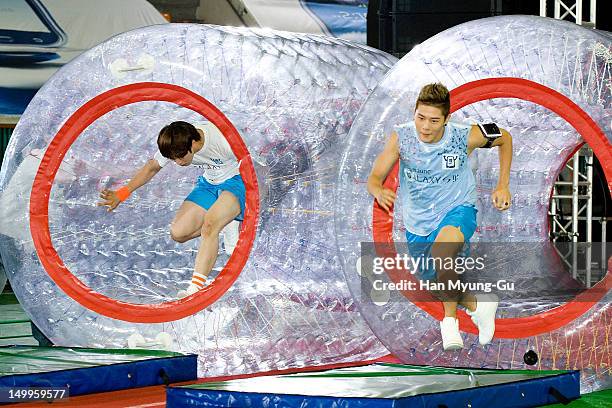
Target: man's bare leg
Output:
{"points": [[221, 213], [448, 244], [187, 223]]}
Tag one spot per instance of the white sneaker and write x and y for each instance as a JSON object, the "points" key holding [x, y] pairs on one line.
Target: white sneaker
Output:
{"points": [[163, 341], [484, 316], [191, 289], [231, 232], [451, 337], [135, 341]]}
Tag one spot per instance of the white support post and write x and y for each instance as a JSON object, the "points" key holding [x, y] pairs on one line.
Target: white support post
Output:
{"points": [[589, 204], [563, 10], [553, 214], [589, 214], [575, 191]]}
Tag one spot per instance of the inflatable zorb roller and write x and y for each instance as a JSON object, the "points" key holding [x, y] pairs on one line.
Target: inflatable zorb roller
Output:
{"points": [[90, 278], [2, 276], [548, 83]]}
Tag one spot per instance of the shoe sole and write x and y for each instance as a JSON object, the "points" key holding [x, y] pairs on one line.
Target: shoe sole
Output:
{"points": [[454, 346]]}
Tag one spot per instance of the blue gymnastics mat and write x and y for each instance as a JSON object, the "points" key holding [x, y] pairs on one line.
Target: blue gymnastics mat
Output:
{"points": [[385, 386], [85, 371]]}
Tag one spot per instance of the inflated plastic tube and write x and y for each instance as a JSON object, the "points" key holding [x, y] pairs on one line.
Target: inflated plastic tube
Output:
{"points": [[2, 276], [285, 102], [547, 83]]}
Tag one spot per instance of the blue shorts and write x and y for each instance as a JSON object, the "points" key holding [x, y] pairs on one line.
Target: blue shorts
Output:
{"points": [[205, 194], [462, 217]]}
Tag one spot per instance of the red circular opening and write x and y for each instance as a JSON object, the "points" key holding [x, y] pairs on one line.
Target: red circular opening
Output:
{"points": [[39, 205], [471, 92]]}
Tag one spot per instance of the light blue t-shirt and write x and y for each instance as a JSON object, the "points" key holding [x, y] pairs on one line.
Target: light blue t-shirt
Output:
{"points": [[434, 177]]}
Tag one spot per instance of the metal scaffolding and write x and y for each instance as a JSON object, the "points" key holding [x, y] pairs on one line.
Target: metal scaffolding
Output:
{"points": [[578, 191], [563, 225], [574, 189]]}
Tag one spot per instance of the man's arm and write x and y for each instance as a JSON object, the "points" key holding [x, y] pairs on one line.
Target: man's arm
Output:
{"points": [[382, 166], [146, 173], [501, 195]]}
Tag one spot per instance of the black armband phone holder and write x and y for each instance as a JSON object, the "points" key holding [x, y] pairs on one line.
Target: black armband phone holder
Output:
{"points": [[491, 132]]}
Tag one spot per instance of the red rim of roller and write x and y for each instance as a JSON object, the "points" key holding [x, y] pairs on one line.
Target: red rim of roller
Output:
{"points": [[39, 205], [471, 92]]}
